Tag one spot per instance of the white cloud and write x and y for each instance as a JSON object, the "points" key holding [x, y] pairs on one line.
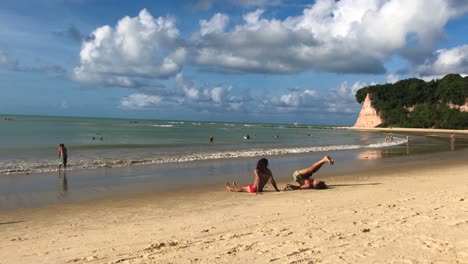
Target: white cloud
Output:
{"points": [[139, 101], [343, 98], [186, 94], [138, 47], [218, 94], [336, 36], [392, 78], [338, 100], [296, 99], [347, 36], [217, 24], [454, 60]]}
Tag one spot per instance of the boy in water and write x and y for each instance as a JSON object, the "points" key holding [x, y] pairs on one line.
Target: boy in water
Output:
{"points": [[303, 176], [62, 151], [262, 175]]}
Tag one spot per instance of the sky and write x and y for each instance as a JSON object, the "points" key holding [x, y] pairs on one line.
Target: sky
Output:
{"points": [[268, 61]]}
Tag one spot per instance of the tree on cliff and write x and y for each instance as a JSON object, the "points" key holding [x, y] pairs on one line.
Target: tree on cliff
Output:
{"points": [[416, 103]]}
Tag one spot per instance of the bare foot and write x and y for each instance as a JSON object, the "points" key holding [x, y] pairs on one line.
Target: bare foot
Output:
{"points": [[329, 160], [228, 187]]}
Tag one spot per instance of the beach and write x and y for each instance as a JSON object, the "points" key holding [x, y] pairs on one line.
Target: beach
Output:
{"points": [[398, 202], [407, 214]]}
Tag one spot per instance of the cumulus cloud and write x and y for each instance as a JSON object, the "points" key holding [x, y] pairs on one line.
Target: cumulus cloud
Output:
{"points": [[346, 36], [296, 99], [342, 99], [306, 103], [334, 36], [139, 101], [217, 24], [138, 47], [445, 61], [188, 95]]}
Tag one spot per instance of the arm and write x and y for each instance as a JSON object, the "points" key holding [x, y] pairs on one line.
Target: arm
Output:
{"points": [[295, 187], [307, 184], [273, 182]]}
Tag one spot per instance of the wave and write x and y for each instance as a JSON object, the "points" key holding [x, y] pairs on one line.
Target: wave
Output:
{"points": [[13, 167], [163, 125]]}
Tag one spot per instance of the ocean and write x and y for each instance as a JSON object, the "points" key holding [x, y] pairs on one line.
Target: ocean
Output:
{"points": [[28, 144], [119, 157]]}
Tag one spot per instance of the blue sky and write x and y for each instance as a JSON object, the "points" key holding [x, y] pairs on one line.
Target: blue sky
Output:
{"points": [[277, 61]]}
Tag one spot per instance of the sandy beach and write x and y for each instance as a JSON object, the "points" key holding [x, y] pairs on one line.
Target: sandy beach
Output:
{"points": [[411, 130], [405, 215]]}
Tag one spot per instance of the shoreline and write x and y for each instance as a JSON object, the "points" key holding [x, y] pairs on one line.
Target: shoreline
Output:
{"points": [[401, 129], [45, 189], [362, 218]]}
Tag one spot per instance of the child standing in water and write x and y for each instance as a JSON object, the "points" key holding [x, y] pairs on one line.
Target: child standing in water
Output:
{"points": [[62, 151]]}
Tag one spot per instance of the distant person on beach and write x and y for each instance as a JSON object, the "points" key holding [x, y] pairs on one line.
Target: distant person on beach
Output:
{"points": [[452, 141], [63, 156], [211, 139], [304, 176], [262, 174], [389, 138], [452, 138]]}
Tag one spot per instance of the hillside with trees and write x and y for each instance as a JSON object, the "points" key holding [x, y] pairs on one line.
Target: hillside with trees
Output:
{"points": [[420, 104]]}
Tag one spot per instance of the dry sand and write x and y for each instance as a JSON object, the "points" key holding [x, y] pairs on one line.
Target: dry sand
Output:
{"points": [[408, 215]]}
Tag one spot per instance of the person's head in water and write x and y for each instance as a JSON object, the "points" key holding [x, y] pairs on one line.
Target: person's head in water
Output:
{"points": [[62, 145], [318, 184], [262, 165]]}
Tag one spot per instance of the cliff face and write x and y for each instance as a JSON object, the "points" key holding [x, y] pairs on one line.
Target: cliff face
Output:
{"points": [[462, 108], [368, 117]]}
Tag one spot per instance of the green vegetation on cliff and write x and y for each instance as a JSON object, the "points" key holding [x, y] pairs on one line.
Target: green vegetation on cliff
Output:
{"points": [[429, 102]]}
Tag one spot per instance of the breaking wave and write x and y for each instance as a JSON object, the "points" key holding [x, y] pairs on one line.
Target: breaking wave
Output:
{"points": [[26, 167]]}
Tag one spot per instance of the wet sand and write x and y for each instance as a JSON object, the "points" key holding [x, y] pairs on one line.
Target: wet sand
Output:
{"points": [[43, 189], [403, 129], [406, 214]]}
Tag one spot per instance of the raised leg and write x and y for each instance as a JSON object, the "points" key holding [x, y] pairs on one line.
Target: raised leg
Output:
{"points": [[316, 166]]}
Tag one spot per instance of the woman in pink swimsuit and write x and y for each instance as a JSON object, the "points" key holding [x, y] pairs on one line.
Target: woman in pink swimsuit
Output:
{"points": [[262, 175]]}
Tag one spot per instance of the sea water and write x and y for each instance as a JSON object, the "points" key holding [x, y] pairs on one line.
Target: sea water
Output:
{"points": [[28, 144], [120, 157]]}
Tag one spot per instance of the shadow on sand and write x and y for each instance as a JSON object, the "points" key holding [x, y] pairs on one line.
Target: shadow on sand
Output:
{"points": [[12, 222], [331, 186]]}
